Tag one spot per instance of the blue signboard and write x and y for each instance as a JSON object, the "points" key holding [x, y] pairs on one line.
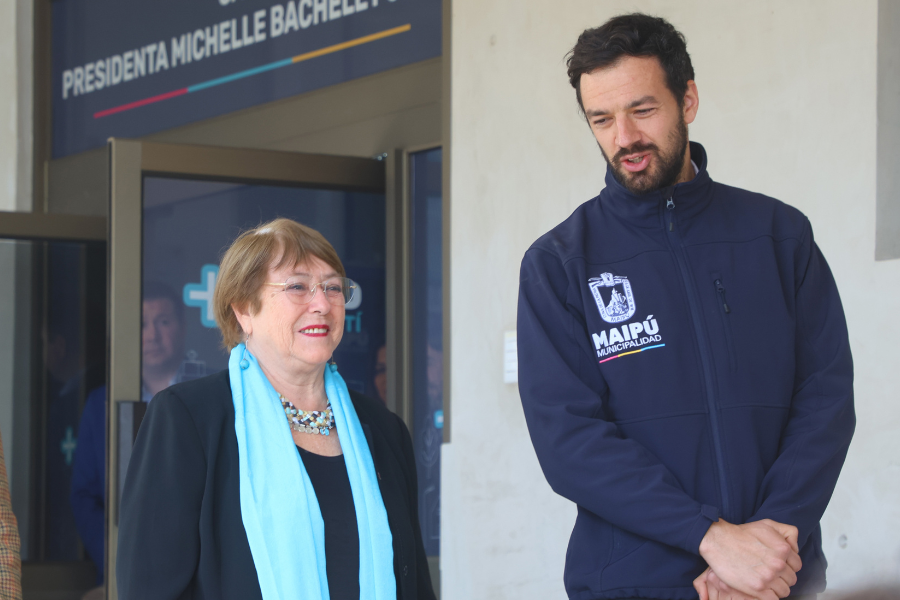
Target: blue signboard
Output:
{"points": [[126, 68]]}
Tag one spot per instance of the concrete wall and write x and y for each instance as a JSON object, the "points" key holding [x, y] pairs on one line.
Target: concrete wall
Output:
{"points": [[15, 179], [787, 107], [16, 38], [8, 105], [887, 239], [7, 350]]}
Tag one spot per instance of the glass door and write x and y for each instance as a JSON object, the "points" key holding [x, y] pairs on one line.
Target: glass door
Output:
{"points": [[174, 210], [53, 333], [427, 327]]}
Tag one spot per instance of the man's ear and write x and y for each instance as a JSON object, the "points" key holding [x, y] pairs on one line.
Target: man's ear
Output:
{"points": [[691, 102], [242, 313]]}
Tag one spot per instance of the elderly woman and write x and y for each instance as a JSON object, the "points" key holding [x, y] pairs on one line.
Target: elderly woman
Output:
{"points": [[271, 479]]}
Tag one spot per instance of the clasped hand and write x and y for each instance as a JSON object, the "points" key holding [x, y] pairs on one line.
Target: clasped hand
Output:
{"points": [[756, 560]]}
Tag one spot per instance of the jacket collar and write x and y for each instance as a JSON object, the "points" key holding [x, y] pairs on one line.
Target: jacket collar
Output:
{"points": [[646, 210]]}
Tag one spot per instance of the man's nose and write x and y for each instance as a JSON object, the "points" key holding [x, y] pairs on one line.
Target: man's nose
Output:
{"points": [[626, 133]]}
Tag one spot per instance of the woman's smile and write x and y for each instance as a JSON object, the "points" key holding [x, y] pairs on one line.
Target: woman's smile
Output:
{"points": [[315, 330]]}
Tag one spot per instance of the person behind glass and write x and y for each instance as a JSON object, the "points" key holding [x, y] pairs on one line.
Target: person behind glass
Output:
{"points": [[271, 479], [162, 338], [162, 356], [379, 379]]}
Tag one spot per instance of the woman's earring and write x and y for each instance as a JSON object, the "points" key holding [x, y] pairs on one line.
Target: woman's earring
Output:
{"points": [[332, 365]]}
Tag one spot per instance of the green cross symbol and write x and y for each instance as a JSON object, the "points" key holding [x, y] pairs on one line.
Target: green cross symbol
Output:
{"points": [[68, 445]]}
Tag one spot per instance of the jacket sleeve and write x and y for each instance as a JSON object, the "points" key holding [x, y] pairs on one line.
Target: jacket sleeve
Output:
{"points": [[89, 477], [10, 564], [424, 588], [583, 456], [159, 518], [814, 443]]}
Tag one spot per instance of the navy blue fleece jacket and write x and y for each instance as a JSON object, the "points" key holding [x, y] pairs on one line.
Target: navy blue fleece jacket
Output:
{"points": [[683, 356]]}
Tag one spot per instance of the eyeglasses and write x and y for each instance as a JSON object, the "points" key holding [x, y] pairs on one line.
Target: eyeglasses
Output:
{"points": [[301, 289]]}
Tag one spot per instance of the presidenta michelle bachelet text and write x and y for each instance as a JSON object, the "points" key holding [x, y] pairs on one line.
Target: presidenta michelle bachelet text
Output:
{"points": [[214, 39]]}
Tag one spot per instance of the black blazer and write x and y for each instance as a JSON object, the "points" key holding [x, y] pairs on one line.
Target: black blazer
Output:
{"points": [[180, 528]]}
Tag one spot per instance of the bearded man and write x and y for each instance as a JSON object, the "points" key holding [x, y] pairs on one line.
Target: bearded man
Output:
{"points": [[684, 363]]}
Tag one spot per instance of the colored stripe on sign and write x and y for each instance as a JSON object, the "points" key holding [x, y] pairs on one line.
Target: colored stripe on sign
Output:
{"points": [[255, 70], [632, 352], [139, 103]]}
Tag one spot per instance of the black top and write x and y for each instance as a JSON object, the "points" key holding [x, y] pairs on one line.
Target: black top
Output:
{"points": [[181, 534], [329, 478]]}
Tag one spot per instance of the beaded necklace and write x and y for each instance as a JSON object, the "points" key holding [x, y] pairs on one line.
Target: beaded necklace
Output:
{"points": [[308, 421]]}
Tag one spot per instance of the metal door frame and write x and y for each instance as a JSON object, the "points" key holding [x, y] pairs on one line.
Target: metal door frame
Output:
{"points": [[130, 162], [51, 227]]}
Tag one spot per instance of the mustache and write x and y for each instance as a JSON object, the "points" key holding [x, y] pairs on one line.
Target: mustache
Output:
{"points": [[634, 148]]}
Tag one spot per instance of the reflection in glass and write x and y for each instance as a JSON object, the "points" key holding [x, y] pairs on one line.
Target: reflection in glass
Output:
{"points": [[53, 321], [162, 352], [163, 360], [74, 355], [427, 332]]}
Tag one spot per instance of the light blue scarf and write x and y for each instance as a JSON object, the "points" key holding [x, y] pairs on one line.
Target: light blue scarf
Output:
{"points": [[278, 503]]}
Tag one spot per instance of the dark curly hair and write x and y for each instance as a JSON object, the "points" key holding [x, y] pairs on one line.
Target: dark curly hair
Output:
{"points": [[638, 35]]}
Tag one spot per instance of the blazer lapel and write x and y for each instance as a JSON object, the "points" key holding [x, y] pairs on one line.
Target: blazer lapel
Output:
{"points": [[396, 506], [368, 433]]}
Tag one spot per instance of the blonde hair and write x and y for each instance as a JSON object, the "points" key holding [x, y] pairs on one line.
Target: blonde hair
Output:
{"points": [[245, 266]]}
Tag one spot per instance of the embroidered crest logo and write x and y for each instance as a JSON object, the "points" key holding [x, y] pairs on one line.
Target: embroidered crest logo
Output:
{"points": [[613, 296]]}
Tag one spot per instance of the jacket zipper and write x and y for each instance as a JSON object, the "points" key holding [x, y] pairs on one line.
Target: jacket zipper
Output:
{"points": [[720, 287], [726, 323], [705, 362]]}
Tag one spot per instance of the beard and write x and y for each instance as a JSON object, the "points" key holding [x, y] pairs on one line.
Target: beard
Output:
{"points": [[665, 170]]}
